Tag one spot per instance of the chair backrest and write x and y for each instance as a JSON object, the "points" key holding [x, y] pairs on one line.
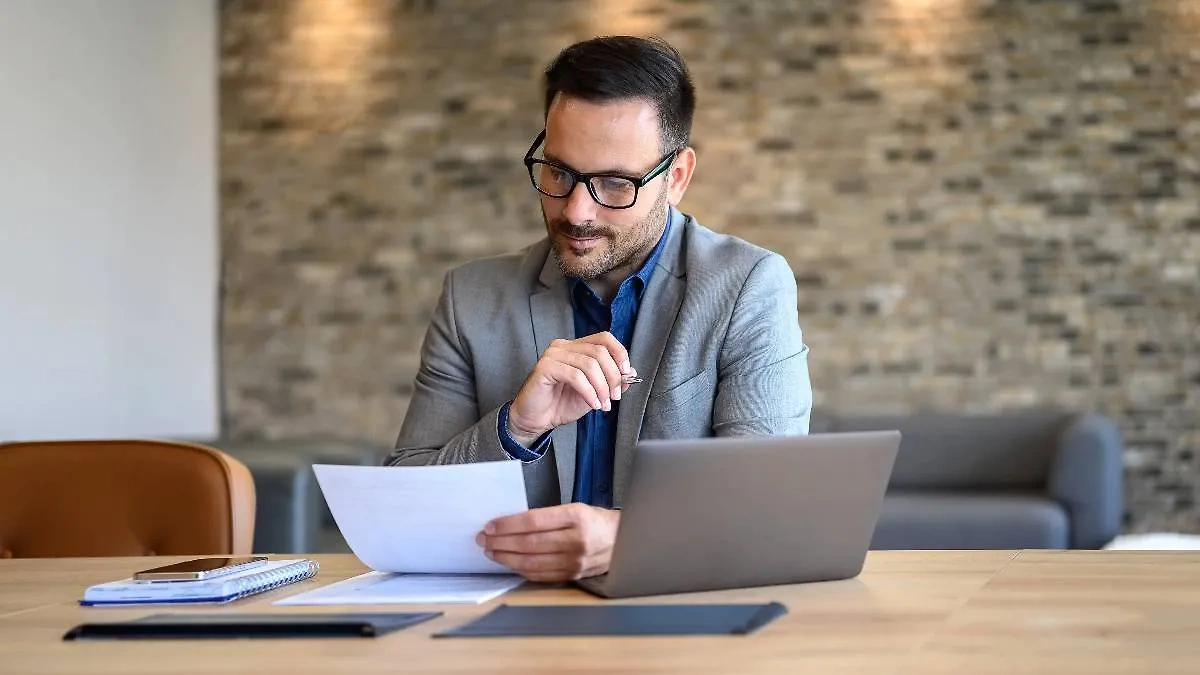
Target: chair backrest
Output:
{"points": [[948, 451], [123, 498]]}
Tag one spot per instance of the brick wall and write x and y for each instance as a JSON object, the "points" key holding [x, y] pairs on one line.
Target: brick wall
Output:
{"points": [[987, 204]]}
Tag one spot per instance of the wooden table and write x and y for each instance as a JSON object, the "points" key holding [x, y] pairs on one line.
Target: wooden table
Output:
{"points": [[909, 612]]}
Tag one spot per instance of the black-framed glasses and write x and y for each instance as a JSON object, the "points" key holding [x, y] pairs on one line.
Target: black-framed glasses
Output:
{"points": [[610, 190]]}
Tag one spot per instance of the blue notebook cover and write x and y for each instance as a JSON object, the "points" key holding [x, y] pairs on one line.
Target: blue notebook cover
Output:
{"points": [[274, 574]]}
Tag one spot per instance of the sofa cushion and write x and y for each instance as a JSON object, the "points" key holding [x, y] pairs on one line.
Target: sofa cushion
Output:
{"points": [[970, 521], [821, 422], [963, 452]]}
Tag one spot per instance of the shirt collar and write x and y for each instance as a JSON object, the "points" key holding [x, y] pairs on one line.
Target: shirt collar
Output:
{"points": [[640, 279]]}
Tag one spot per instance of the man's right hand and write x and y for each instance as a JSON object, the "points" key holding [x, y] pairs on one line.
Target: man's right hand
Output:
{"points": [[571, 378]]}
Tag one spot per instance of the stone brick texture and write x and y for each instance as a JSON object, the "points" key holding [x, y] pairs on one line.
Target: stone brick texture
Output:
{"points": [[988, 204]]}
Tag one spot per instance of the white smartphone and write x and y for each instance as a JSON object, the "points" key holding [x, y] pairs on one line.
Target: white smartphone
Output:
{"points": [[200, 568]]}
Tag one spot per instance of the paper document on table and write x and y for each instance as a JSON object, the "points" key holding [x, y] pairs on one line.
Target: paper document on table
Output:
{"points": [[422, 519], [383, 588]]}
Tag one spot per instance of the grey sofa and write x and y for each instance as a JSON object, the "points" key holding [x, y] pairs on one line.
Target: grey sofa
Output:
{"points": [[291, 513], [1037, 479]]}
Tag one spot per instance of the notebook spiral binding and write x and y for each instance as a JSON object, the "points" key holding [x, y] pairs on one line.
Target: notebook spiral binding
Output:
{"points": [[282, 573], [273, 579]]}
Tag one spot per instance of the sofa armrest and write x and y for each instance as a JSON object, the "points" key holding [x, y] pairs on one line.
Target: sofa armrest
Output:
{"points": [[1086, 478]]}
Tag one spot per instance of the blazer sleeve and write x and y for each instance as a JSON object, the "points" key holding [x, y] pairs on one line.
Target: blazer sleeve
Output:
{"points": [[763, 384], [444, 424]]}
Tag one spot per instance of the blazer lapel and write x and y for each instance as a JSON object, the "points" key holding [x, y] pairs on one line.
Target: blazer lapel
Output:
{"points": [[656, 317], [550, 308]]}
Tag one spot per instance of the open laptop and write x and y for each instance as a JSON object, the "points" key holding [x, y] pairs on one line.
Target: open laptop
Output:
{"points": [[717, 513]]}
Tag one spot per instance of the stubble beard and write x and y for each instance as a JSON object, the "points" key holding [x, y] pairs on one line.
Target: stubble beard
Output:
{"points": [[610, 253]]}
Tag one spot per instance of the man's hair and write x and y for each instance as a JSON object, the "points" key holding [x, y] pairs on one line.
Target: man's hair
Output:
{"points": [[615, 68]]}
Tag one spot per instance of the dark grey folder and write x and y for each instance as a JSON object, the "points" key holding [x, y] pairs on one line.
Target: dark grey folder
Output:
{"points": [[561, 620], [189, 626]]}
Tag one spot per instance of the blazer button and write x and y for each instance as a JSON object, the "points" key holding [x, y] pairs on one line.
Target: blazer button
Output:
{"points": [[604, 487]]}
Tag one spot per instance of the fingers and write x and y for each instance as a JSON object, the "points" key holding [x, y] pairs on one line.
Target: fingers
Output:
{"points": [[551, 568], [578, 380], [608, 366], [535, 520], [570, 377], [553, 544], [538, 563], [598, 368], [612, 356], [594, 356], [567, 540], [626, 382], [611, 344]]}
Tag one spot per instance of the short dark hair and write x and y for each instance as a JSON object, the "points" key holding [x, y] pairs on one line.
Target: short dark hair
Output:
{"points": [[613, 68]]}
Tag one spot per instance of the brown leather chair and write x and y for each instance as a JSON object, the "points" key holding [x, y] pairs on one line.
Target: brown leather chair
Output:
{"points": [[122, 498]]}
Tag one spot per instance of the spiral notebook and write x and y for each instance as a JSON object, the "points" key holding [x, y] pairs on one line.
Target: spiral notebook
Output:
{"points": [[274, 574]]}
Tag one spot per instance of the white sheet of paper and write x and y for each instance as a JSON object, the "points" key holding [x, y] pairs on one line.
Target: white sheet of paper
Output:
{"points": [[383, 588], [422, 519]]}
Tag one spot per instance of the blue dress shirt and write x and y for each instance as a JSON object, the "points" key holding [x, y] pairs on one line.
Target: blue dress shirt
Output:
{"points": [[596, 430]]}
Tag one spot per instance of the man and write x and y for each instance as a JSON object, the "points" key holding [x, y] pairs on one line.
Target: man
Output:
{"points": [[536, 356]]}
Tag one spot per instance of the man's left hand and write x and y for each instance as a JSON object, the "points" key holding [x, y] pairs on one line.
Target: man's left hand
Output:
{"points": [[553, 544]]}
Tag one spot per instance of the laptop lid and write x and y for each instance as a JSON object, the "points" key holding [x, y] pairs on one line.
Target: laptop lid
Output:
{"points": [[715, 513]]}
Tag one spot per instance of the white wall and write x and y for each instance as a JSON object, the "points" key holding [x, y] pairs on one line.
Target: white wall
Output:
{"points": [[108, 218]]}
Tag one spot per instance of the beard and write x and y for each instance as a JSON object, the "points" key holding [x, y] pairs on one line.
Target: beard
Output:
{"points": [[612, 250]]}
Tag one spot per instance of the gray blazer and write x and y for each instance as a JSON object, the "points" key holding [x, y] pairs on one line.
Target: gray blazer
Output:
{"points": [[717, 341]]}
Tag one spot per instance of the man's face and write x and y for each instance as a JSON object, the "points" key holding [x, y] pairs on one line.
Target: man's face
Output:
{"points": [[589, 240]]}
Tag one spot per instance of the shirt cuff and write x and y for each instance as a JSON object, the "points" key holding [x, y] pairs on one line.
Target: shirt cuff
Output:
{"points": [[513, 447]]}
